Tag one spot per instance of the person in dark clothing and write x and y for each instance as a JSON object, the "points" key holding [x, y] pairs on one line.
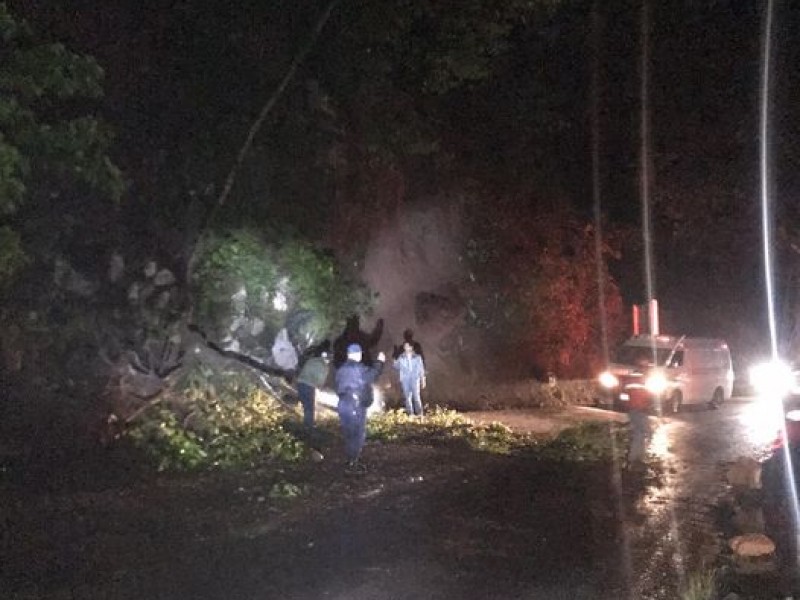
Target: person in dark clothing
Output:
{"points": [[312, 377], [408, 338], [354, 388], [353, 334]]}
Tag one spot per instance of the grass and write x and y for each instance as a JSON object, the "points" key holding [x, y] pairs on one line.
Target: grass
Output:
{"points": [[586, 441], [444, 424], [701, 585]]}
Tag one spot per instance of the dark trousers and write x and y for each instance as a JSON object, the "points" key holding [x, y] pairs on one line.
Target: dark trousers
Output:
{"points": [[307, 393], [353, 418]]}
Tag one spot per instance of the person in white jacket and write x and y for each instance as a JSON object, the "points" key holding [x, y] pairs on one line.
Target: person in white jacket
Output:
{"points": [[411, 371]]}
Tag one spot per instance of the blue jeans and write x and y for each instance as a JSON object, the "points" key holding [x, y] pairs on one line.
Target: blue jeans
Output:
{"points": [[307, 394], [353, 418], [411, 396]]}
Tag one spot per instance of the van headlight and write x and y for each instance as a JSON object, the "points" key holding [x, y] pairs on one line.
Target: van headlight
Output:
{"points": [[773, 379], [608, 380], [793, 415], [656, 383]]}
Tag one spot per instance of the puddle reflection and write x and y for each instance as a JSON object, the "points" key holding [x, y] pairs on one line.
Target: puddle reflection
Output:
{"points": [[660, 441], [657, 540], [761, 422]]}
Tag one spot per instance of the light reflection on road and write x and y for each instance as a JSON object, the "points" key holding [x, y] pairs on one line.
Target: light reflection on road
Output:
{"points": [[761, 421], [660, 445], [670, 510], [658, 540]]}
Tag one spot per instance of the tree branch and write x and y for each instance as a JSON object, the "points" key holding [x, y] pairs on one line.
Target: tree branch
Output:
{"points": [[256, 126]]}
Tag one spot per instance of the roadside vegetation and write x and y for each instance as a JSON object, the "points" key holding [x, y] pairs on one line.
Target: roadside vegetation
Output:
{"points": [[230, 422], [700, 585], [441, 424], [225, 422]]}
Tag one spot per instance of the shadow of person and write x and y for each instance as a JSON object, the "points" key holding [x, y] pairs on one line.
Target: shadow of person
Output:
{"points": [[408, 338], [353, 334]]}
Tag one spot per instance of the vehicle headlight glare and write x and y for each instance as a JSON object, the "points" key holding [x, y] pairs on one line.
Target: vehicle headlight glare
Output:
{"points": [[772, 379], [608, 380], [656, 383]]}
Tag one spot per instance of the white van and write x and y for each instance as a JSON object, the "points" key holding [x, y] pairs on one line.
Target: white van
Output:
{"points": [[668, 372]]}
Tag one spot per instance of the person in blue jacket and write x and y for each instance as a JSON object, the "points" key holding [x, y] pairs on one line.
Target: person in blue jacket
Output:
{"points": [[354, 387], [411, 370]]}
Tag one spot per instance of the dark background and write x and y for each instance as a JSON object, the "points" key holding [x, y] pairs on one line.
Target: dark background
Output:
{"points": [[184, 81]]}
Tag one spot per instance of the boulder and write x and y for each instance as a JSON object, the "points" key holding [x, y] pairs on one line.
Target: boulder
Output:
{"points": [[116, 267], [237, 323], [256, 326], [753, 554], [150, 269], [146, 292], [230, 344], [68, 279], [752, 545], [133, 292], [163, 278], [239, 302], [163, 300]]}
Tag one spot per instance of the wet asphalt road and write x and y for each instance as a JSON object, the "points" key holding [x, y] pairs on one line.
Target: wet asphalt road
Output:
{"points": [[672, 529], [427, 524]]}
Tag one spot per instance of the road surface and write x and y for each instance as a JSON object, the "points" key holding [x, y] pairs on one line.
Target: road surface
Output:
{"points": [[676, 528], [669, 520], [427, 522]]}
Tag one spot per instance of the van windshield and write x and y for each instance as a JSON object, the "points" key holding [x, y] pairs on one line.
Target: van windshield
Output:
{"points": [[637, 356]]}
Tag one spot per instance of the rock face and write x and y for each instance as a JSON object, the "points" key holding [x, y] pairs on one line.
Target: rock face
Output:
{"points": [[414, 264]]}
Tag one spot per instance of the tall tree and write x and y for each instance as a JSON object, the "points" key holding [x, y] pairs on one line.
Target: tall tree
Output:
{"points": [[49, 140], [535, 288]]}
